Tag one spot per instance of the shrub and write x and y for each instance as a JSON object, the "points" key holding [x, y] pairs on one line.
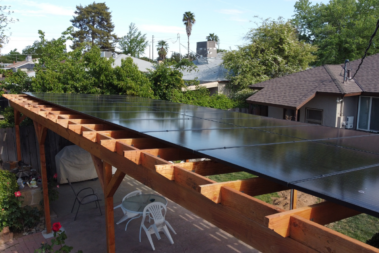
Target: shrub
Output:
{"points": [[12, 214], [374, 241], [58, 241]]}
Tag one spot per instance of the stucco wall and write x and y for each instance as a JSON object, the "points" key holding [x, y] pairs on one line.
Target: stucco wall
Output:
{"points": [[327, 103], [275, 112]]}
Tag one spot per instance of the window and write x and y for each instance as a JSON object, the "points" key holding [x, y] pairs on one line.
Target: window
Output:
{"points": [[261, 110], [313, 116], [368, 114]]}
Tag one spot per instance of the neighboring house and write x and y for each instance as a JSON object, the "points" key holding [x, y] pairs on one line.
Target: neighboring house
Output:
{"points": [[142, 65], [210, 70], [27, 66], [321, 96]]}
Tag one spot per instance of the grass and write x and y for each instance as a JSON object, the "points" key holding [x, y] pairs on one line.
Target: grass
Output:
{"points": [[239, 176], [360, 227]]}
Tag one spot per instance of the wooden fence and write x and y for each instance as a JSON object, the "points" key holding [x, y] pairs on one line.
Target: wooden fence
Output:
{"points": [[29, 147]]}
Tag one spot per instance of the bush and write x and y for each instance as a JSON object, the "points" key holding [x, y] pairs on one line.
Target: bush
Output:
{"points": [[8, 121], [374, 241], [201, 97], [12, 215]]}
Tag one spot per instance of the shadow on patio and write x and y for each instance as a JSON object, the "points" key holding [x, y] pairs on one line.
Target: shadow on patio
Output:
{"points": [[88, 232]]}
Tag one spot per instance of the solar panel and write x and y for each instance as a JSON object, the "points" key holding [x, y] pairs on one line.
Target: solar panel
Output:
{"points": [[358, 189], [307, 157]]}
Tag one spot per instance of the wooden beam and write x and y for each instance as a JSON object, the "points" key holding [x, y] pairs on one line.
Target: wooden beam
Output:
{"points": [[323, 240], [190, 179], [114, 183], [204, 168], [41, 133], [168, 154], [322, 213], [109, 214], [246, 205], [99, 169], [252, 186]]}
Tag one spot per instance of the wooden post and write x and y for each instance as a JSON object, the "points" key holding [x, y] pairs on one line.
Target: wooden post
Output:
{"points": [[41, 133], [293, 199], [17, 130], [296, 115], [109, 215]]}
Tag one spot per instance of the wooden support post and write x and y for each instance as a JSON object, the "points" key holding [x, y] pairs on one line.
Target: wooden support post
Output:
{"points": [[99, 169], [17, 130], [41, 132], [109, 215], [293, 199]]}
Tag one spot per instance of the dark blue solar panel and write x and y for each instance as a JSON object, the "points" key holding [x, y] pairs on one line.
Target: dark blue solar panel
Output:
{"points": [[333, 163]]}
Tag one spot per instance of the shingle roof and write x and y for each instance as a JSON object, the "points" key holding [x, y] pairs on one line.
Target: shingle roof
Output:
{"points": [[295, 89], [142, 65], [208, 70], [18, 64]]}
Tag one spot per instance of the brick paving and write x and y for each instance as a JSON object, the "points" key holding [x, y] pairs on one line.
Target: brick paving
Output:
{"points": [[24, 244]]}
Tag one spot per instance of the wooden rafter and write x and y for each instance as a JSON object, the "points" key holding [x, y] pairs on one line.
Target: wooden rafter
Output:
{"points": [[235, 212]]}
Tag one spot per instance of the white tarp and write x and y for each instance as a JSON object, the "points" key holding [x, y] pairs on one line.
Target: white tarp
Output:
{"points": [[75, 164]]}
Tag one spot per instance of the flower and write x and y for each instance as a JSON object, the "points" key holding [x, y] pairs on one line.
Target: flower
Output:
{"points": [[57, 185], [2, 209], [56, 226], [55, 176], [17, 194]]}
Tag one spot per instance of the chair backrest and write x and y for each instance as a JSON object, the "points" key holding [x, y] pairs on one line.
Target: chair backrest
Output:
{"points": [[71, 186], [132, 194], [155, 210]]}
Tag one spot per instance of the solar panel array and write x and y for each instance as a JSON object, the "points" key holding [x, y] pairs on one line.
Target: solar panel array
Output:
{"points": [[336, 164]]}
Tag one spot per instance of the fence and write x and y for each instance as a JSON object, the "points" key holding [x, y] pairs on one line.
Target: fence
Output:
{"points": [[29, 147]]}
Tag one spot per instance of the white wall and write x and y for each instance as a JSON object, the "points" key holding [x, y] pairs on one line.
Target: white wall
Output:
{"points": [[326, 103]]}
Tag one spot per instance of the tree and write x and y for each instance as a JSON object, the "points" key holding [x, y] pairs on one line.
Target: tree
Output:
{"points": [[188, 20], [94, 24], [5, 20], [134, 43], [162, 48], [341, 28], [34, 49], [273, 50], [214, 37]]}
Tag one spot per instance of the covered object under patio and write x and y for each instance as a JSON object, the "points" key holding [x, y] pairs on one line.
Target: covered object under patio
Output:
{"points": [[141, 136]]}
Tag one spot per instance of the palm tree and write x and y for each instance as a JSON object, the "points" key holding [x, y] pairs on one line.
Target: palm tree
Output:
{"points": [[162, 48], [214, 37], [189, 20]]}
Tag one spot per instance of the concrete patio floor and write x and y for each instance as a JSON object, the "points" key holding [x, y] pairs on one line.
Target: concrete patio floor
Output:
{"points": [[87, 233]]}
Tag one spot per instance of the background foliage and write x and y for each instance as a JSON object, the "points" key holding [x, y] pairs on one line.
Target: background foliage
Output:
{"points": [[340, 29], [273, 51]]}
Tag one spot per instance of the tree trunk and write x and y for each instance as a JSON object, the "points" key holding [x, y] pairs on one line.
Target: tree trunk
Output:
{"points": [[188, 49]]}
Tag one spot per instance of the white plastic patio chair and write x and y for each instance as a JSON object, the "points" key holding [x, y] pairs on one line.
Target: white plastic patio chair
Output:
{"points": [[127, 214], [155, 210]]}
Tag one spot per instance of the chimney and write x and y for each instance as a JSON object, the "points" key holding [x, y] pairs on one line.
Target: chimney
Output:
{"points": [[345, 74], [29, 58], [349, 74]]}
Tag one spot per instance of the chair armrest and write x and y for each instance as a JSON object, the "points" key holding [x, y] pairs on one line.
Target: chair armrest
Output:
{"points": [[97, 198], [87, 188]]}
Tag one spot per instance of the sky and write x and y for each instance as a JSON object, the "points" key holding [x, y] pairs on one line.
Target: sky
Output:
{"points": [[230, 20]]}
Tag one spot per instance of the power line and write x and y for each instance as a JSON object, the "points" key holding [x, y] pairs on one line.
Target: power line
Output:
{"points": [[369, 45]]}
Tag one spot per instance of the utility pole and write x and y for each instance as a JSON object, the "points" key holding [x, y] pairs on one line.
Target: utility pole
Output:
{"points": [[149, 53], [180, 54], [152, 48]]}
